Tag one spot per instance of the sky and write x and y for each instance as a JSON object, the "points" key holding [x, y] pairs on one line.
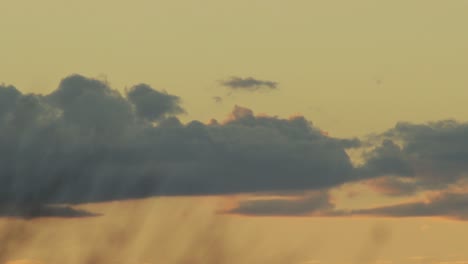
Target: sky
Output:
{"points": [[331, 132]]}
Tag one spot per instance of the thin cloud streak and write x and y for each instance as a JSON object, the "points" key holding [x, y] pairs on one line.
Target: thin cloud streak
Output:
{"points": [[248, 84]]}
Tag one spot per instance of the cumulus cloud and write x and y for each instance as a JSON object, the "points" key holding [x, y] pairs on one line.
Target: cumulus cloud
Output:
{"points": [[152, 104], [248, 84], [85, 142]]}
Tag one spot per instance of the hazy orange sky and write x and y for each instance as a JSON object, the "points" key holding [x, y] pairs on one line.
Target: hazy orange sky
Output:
{"points": [[354, 69]]}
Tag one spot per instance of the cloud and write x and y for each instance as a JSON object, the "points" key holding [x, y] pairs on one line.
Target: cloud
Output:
{"points": [[410, 159], [393, 186], [85, 142], [447, 204], [248, 84], [386, 159], [429, 156], [314, 203], [152, 104]]}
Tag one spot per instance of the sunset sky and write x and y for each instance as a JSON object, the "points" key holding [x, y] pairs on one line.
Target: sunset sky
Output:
{"points": [[212, 132]]}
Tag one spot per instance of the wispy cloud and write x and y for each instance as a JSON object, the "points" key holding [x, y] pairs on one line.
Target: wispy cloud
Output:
{"points": [[248, 84]]}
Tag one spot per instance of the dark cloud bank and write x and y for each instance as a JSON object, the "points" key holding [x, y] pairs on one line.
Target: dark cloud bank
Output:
{"points": [[86, 142]]}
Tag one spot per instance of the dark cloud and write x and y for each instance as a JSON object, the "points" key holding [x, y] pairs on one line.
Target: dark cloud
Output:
{"points": [[386, 159], [249, 84], [29, 211], [8, 97], [88, 106], [410, 158], [447, 204], [431, 156], [152, 104], [314, 203], [85, 142], [438, 151]]}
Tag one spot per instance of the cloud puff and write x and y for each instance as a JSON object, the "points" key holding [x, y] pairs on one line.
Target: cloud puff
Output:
{"points": [[431, 156], [409, 159], [249, 84], [386, 159], [152, 104], [85, 142]]}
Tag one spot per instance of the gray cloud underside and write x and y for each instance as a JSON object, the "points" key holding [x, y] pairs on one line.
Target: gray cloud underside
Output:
{"points": [[86, 142], [446, 204], [249, 84], [429, 156], [35, 211]]}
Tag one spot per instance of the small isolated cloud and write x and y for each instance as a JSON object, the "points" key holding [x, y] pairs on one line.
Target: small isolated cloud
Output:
{"points": [[249, 84], [217, 99]]}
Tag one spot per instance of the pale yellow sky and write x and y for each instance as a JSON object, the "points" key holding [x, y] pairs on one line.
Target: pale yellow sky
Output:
{"points": [[352, 67]]}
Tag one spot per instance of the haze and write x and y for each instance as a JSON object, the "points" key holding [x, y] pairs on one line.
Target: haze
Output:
{"points": [[331, 132]]}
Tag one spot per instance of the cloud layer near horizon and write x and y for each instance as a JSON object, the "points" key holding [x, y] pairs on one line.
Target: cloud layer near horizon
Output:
{"points": [[429, 159], [85, 142]]}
